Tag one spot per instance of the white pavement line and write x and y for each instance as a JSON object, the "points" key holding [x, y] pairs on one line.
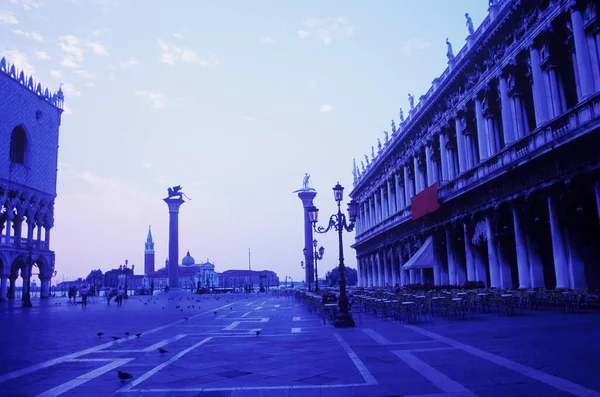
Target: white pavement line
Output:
{"points": [[163, 343], [362, 368], [80, 380], [296, 330], [296, 319], [258, 308], [216, 389], [264, 303], [463, 394], [277, 305], [100, 360], [154, 370], [245, 314], [554, 381], [58, 360], [231, 326], [433, 375], [377, 337], [254, 330]]}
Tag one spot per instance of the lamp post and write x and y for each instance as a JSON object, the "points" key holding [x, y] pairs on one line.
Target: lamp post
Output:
{"points": [[125, 269], [317, 256], [338, 222]]}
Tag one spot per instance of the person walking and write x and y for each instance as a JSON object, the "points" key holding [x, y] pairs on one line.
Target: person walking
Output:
{"points": [[84, 292]]}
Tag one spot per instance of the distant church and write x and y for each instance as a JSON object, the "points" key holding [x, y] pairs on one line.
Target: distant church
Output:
{"points": [[190, 273]]}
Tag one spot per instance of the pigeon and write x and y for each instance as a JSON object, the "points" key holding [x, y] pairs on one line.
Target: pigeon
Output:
{"points": [[231, 308], [257, 333], [138, 334], [116, 338], [162, 351], [177, 307], [127, 334], [215, 313], [124, 375], [100, 334], [185, 318]]}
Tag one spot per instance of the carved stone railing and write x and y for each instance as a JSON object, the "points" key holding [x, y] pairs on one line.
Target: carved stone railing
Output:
{"points": [[39, 245]]}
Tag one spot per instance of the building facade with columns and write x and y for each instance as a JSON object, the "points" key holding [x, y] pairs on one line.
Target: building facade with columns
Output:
{"points": [[493, 176], [30, 118]]}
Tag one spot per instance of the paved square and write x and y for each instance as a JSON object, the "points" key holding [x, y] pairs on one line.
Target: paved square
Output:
{"points": [[264, 345]]}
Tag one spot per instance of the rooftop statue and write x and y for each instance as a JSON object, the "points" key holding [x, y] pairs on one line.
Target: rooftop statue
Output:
{"points": [[411, 101], [372, 152], [470, 24], [306, 181], [362, 165], [450, 53], [387, 136], [394, 125], [401, 115], [366, 159], [378, 145]]}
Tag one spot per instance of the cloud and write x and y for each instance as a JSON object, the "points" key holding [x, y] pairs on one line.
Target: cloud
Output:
{"points": [[248, 118], [84, 74], [178, 36], [128, 62], [32, 35], [8, 17], [171, 54], [97, 48], [312, 84], [42, 56], [73, 57], [156, 99], [326, 108], [28, 5], [70, 90], [146, 164], [19, 59], [326, 29], [67, 110], [99, 32], [268, 40], [90, 84], [414, 45], [57, 74]]}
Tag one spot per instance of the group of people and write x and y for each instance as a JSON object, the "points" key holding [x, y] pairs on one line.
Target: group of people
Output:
{"points": [[85, 292]]}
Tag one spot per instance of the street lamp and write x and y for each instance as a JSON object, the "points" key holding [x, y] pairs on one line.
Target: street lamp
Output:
{"points": [[317, 256], [125, 269], [338, 222]]}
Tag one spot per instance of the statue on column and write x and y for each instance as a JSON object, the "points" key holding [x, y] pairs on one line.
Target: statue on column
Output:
{"points": [[175, 192], [401, 115], [393, 126], [411, 101], [469, 24], [387, 138], [450, 53]]}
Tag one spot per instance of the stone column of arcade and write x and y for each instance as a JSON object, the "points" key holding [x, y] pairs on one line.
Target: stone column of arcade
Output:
{"points": [[174, 201], [307, 195]]}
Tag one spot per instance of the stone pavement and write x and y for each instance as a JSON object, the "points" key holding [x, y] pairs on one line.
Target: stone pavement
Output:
{"points": [[264, 345]]}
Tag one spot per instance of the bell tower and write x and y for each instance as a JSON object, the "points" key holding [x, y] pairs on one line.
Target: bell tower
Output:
{"points": [[149, 254]]}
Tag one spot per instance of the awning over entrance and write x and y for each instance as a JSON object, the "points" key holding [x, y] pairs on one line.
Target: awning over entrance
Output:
{"points": [[423, 258]]}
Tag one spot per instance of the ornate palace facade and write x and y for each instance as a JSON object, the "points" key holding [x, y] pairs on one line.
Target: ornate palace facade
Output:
{"points": [[29, 122], [494, 176]]}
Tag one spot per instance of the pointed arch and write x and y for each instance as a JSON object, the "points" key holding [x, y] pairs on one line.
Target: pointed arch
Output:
{"points": [[18, 145]]}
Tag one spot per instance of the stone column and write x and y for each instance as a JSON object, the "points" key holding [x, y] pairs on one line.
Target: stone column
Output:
{"points": [[597, 192], [571, 48], [407, 185], [44, 287], [400, 196], [559, 104], [491, 133], [470, 263], [380, 273], [30, 227], [392, 254], [462, 167], [12, 281], [451, 259], [3, 287], [47, 237], [390, 202], [521, 248], [39, 243], [443, 157], [481, 130], [539, 90], [494, 264], [402, 273], [594, 59], [9, 218], [437, 260], [307, 196], [173, 270], [558, 246], [451, 164], [418, 179], [507, 114], [386, 272], [584, 64]]}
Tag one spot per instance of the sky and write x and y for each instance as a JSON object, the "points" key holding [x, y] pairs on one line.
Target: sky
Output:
{"points": [[232, 100]]}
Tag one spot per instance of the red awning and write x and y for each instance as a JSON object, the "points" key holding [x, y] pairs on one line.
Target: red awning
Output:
{"points": [[425, 202]]}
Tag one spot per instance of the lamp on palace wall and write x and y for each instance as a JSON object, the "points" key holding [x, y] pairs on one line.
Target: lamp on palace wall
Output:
{"points": [[343, 317]]}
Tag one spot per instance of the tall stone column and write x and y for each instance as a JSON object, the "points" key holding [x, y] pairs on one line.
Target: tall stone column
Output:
{"points": [[400, 196], [386, 272], [380, 274], [406, 185], [594, 59], [494, 264], [451, 258], [384, 213], [469, 259], [390, 201], [506, 110], [584, 64], [12, 284], [392, 253], [539, 89], [521, 248], [418, 178], [173, 271], [462, 164], [443, 159], [307, 196], [481, 130], [558, 246], [45, 287]]}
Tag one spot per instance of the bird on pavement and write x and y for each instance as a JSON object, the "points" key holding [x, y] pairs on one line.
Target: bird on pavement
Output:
{"points": [[185, 318], [100, 334], [215, 312], [127, 333], [138, 334], [257, 333], [116, 338], [124, 375], [162, 351]]}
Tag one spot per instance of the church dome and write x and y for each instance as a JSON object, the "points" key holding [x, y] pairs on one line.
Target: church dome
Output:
{"points": [[188, 260]]}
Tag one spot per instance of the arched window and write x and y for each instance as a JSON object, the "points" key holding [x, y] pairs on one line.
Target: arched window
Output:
{"points": [[18, 144]]}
